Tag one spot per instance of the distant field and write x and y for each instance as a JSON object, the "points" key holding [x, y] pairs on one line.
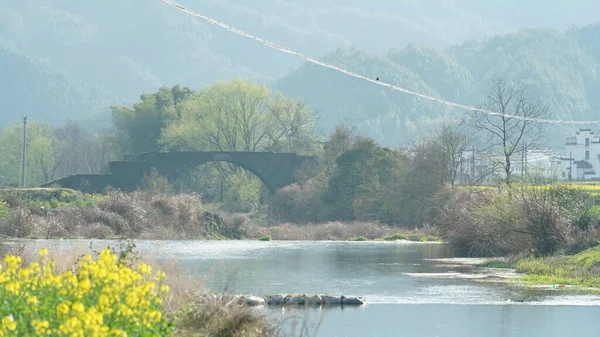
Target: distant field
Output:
{"points": [[591, 187]]}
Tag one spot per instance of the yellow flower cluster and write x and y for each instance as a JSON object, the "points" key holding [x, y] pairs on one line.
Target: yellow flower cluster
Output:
{"points": [[101, 297]]}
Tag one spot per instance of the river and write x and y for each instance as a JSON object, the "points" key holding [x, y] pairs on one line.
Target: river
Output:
{"points": [[409, 292]]}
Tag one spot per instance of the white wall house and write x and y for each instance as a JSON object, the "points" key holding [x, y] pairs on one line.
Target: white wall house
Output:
{"points": [[582, 156]]}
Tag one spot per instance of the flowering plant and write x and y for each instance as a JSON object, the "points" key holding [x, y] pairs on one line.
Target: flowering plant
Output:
{"points": [[101, 297]]}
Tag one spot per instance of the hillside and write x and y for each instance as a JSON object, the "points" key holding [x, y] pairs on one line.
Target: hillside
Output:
{"points": [[42, 92], [562, 68], [87, 55]]}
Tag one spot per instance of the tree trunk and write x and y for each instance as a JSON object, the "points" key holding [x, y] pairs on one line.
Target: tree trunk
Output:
{"points": [[507, 170]]}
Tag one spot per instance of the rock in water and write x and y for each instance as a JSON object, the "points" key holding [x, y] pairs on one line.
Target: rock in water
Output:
{"points": [[314, 300], [352, 301], [331, 300], [253, 300], [296, 299], [275, 300]]}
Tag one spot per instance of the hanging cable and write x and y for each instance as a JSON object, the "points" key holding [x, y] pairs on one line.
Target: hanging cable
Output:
{"points": [[378, 82]]}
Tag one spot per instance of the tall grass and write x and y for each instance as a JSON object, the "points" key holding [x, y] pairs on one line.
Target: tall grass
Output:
{"points": [[333, 231]]}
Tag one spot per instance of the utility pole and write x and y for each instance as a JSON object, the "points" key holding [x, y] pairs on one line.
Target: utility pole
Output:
{"points": [[24, 153], [571, 159]]}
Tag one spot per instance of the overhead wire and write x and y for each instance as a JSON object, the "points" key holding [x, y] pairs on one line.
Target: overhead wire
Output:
{"points": [[353, 74]]}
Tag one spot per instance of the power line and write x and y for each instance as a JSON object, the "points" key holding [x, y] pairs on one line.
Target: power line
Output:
{"points": [[348, 72]]}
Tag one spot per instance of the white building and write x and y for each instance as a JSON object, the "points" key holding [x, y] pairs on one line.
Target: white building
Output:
{"points": [[582, 156]]}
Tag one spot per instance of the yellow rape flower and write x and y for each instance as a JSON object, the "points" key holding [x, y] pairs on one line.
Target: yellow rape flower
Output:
{"points": [[78, 307], [101, 297], [144, 268], [43, 252], [9, 323], [32, 300], [13, 287]]}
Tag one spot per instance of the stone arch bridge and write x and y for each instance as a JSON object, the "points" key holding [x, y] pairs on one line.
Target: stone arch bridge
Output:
{"points": [[275, 170]]}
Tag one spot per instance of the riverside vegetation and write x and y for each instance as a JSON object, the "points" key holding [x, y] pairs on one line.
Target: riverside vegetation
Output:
{"points": [[112, 293], [64, 213]]}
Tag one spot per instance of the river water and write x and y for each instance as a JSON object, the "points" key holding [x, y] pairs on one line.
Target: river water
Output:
{"points": [[409, 292]]}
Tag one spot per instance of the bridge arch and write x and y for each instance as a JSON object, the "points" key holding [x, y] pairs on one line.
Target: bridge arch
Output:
{"points": [[275, 170], [178, 170]]}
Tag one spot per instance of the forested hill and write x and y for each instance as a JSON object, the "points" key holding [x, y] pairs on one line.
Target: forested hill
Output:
{"points": [[34, 88], [82, 55], [562, 68]]}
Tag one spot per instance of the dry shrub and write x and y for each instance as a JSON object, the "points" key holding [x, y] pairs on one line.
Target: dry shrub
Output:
{"points": [[49, 227], [97, 230], [475, 225], [584, 239], [221, 315], [282, 204], [502, 223], [135, 215], [323, 231], [235, 222], [299, 204], [17, 224], [546, 223]]}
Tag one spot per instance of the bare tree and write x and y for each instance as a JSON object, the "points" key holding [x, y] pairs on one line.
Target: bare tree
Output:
{"points": [[516, 129], [452, 140]]}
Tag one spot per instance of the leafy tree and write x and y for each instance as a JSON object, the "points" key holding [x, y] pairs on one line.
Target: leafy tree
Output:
{"points": [[140, 127], [239, 115], [359, 171], [41, 161]]}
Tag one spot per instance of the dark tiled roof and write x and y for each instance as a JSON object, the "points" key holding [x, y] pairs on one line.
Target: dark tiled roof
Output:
{"points": [[583, 164]]}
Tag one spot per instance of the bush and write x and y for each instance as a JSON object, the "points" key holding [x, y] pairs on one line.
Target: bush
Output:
{"points": [[155, 183], [138, 214], [545, 222], [17, 223], [300, 204], [102, 296], [500, 223], [221, 315]]}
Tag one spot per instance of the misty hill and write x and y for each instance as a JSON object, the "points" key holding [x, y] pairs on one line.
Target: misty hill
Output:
{"points": [[112, 51], [36, 89], [562, 68]]}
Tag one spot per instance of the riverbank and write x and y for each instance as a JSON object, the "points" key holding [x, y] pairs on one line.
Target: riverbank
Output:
{"points": [[582, 269], [560, 272], [63, 213]]}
